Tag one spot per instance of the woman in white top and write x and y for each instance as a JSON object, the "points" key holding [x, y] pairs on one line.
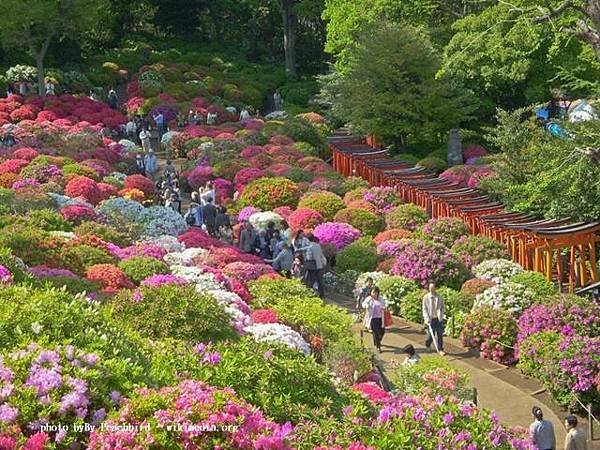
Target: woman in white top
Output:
{"points": [[374, 306], [209, 191], [145, 138]]}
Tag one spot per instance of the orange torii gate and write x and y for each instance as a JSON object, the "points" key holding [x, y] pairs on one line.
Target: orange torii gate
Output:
{"points": [[561, 250]]}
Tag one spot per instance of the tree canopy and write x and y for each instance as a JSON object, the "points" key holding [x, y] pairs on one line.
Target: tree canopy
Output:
{"points": [[390, 87]]}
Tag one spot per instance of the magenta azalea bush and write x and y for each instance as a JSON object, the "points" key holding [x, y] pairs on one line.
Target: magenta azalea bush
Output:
{"points": [[492, 331], [445, 231], [190, 415], [383, 198], [426, 262], [337, 234]]}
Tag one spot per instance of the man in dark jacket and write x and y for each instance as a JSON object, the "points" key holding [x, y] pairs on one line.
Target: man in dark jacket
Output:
{"points": [[209, 215]]}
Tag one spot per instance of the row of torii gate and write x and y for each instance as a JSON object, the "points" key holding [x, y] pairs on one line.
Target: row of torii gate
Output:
{"points": [[562, 250]]}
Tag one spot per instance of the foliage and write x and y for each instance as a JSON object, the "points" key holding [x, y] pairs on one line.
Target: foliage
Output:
{"points": [[433, 163], [492, 331], [474, 250], [390, 87], [368, 223], [535, 282], [361, 255], [445, 230], [432, 376], [49, 220], [394, 289], [173, 311], [407, 217], [270, 193], [508, 296], [325, 203], [140, 267], [544, 175], [566, 365]]}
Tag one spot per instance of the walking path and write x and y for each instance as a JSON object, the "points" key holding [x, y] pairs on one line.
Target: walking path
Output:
{"points": [[499, 388]]}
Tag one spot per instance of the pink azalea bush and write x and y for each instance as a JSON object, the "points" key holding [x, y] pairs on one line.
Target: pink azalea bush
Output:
{"points": [[426, 262], [340, 235], [191, 405]]}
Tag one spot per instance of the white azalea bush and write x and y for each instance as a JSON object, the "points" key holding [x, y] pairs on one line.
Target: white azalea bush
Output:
{"points": [[261, 219], [278, 334], [497, 270], [509, 296]]}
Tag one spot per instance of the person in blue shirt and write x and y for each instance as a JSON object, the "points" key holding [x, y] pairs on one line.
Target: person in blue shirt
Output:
{"points": [[542, 431], [159, 119], [150, 163]]}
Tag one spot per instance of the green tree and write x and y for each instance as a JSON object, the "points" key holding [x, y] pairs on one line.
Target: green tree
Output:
{"points": [[390, 88], [34, 24]]}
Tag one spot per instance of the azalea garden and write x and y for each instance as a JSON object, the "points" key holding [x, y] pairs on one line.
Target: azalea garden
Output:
{"points": [[123, 327]]}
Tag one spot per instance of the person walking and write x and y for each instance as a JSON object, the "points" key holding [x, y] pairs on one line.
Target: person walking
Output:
{"points": [[209, 215], [575, 438], [314, 263], [247, 238], [374, 306], [159, 120], [542, 431], [433, 316], [113, 100], [140, 168], [151, 164], [244, 115], [262, 245], [145, 140], [170, 172]]}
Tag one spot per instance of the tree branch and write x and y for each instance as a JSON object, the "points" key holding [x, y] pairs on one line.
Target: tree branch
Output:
{"points": [[553, 12]]}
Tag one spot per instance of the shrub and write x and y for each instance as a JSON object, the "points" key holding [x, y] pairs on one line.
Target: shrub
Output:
{"points": [[49, 220], [391, 235], [427, 262], [492, 331], [568, 366], [303, 218], [284, 383], [303, 131], [433, 163], [78, 258], [140, 267], [408, 217], [411, 306], [355, 194], [474, 286], [536, 282], [432, 376], [111, 277], [13, 264], [337, 234], [360, 256], [172, 311], [270, 193], [367, 222], [141, 183], [84, 187], [73, 285], [497, 270], [567, 315], [189, 404], [104, 232], [34, 247], [509, 296], [473, 250], [325, 203], [445, 231], [394, 289], [382, 198]]}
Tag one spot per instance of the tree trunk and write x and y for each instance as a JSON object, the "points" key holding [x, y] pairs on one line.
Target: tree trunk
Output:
{"points": [[289, 35], [39, 60]]}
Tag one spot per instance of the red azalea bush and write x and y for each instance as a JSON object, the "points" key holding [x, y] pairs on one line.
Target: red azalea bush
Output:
{"points": [[264, 316], [363, 204], [395, 234], [13, 166], [284, 211], [473, 151], [304, 218], [84, 187], [373, 392], [78, 213], [198, 238], [458, 174], [199, 176], [247, 175], [471, 288], [141, 183], [110, 277], [26, 153], [245, 272], [107, 190], [227, 255]]}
